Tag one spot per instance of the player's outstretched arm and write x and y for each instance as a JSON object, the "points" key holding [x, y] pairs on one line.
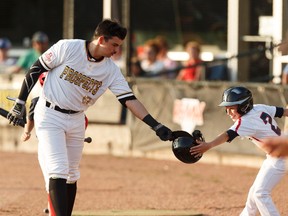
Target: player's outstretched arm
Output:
{"points": [[276, 146], [205, 146], [138, 109], [285, 112]]}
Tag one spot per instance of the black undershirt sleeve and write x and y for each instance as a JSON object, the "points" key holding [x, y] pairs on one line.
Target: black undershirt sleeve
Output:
{"points": [[279, 112], [232, 135], [123, 100], [31, 79]]}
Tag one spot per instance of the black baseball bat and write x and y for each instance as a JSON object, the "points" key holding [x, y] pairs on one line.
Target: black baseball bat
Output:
{"points": [[4, 113]]}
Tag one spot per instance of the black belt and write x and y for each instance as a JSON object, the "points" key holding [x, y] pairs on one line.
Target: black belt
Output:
{"points": [[61, 110]]}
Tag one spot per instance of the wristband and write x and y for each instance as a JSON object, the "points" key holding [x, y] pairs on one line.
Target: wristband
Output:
{"points": [[157, 127], [149, 120], [19, 101]]}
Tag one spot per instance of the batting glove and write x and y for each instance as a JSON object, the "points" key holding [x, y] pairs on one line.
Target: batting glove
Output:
{"points": [[163, 132], [17, 112]]}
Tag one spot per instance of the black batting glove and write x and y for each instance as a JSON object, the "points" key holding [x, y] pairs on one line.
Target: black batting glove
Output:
{"points": [[15, 116], [163, 132]]}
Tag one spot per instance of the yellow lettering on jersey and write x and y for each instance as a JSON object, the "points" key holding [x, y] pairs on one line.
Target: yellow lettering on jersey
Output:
{"points": [[70, 74], [86, 83], [96, 87], [65, 72], [78, 78]]}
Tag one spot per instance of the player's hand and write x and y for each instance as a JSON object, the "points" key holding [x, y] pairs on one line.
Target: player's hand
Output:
{"points": [[15, 116], [275, 146], [25, 136], [163, 132], [200, 148]]}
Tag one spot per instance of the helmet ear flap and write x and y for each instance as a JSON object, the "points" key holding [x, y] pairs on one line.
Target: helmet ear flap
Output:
{"points": [[245, 107]]}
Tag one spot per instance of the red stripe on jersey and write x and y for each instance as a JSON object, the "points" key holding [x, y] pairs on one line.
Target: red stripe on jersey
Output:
{"points": [[238, 125], [256, 139]]}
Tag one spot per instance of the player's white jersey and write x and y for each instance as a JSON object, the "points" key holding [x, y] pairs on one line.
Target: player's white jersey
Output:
{"points": [[75, 83], [258, 123]]}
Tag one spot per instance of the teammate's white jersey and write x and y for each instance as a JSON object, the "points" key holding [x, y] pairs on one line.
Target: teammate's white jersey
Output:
{"points": [[258, 123], [74, 82]]}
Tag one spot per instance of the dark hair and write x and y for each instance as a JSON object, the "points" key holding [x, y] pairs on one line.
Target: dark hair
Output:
{"points": [[110, 28]]}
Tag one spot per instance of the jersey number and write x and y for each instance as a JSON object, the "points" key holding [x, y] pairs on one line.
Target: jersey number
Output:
{"points": [[267, 119]]}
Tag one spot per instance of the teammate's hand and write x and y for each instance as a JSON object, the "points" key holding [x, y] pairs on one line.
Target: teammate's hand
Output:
{"points": [[199, 149], [163, 132], [25, 136], [17, 112]]}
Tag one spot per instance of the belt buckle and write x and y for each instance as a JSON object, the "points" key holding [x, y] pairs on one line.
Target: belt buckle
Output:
{"points": [[52, 106]]}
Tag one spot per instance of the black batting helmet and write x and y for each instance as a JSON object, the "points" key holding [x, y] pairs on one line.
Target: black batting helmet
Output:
{"points": [[240, 96], [181, 145]]}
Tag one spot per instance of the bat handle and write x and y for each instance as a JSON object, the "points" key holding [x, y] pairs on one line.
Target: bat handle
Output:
{"points": [[22, 123], [88, 139]]}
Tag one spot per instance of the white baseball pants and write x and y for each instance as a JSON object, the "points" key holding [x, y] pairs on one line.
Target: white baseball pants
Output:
{"points": [[61, 141], [259, 197]]}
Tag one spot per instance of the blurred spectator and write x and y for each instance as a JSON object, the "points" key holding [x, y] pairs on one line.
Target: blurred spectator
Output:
{"points": [[285, 75], [169, 65], [40, 43], [149, 62], [135, 67], [193, 68], [118, 59], [5, 60]]}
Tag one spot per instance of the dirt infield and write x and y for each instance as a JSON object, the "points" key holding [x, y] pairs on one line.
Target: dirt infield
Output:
{"points": [[117, 183]]}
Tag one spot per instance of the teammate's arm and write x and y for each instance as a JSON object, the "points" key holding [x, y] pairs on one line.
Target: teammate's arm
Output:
{"points": [[205, 146], [137, 108], [285, 113], [275, 146]]}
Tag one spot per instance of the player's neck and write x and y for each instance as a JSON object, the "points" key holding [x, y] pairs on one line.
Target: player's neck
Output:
{"points": [[91, 50]]}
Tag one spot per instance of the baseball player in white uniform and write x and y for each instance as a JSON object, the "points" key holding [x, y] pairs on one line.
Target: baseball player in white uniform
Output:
{"points": [[255, 122], [79, 72]]}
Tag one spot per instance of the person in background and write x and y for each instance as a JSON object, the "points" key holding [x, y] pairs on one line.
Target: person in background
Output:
{"points": [[119, 59], [5, 60], [150, 64], [255, 122], [193, 68], [40, 43], [285, 75], [135, 67], [169, 65]]}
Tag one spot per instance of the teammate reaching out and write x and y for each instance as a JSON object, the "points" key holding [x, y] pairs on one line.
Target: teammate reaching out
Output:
{"points": [[276, 146], [79, 72], [255, 122]]}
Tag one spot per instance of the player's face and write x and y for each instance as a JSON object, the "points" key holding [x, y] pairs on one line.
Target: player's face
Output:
{"points": [[232, 112], [111, 46]]}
